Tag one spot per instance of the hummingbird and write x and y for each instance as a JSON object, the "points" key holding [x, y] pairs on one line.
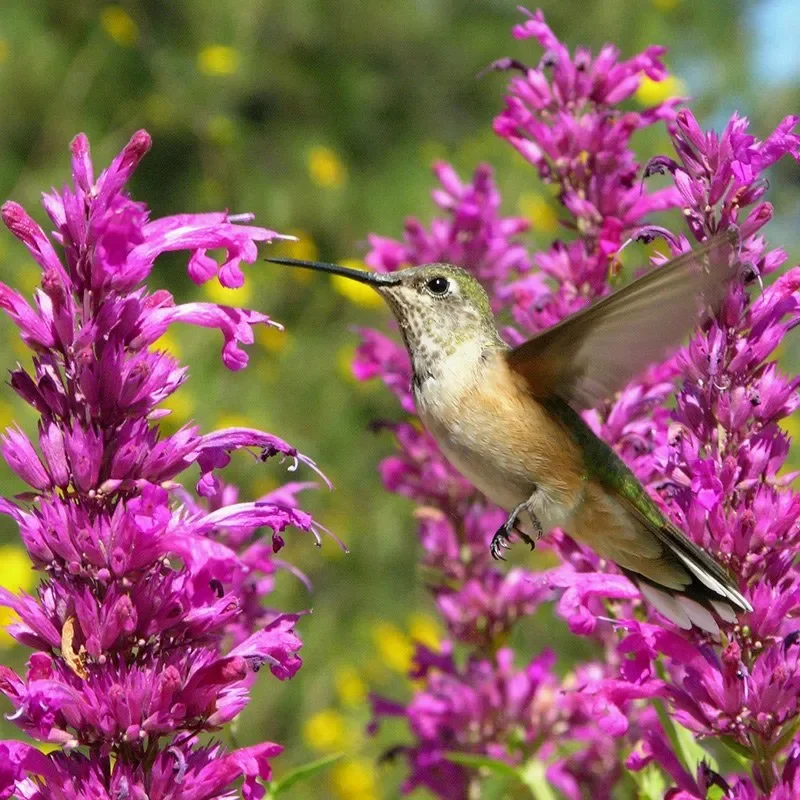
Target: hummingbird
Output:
{"points": [[508, 418]]}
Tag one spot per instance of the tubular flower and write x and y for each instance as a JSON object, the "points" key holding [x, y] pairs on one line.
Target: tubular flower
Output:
{"points": [[712, 459], [148, 624]]}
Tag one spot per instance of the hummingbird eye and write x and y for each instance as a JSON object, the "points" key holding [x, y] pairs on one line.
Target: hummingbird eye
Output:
{"points": [[438, 285]]}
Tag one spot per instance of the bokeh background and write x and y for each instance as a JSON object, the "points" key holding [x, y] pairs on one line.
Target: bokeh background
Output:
{"points": [[323, 117]]}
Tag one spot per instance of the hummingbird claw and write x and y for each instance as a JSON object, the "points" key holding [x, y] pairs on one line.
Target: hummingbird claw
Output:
{"points": [[525, 538], [497, 554], [499, 543]]}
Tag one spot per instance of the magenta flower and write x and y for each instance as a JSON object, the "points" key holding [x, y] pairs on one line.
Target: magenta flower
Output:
{"points": [[713, 461], [149, 625], [181, 772]]}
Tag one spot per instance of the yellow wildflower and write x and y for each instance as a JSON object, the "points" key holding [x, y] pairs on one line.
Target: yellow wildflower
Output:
{"points": [[303, 248], [791, 425], [217, 293], [350, 687], [354, 779], [665, 5], [119, 26], [651, 93], [344, 364], [273, 340], [423, 628], [325, 731], [355, 292], [394, 647], [169, 342], [539, 211], [4, 51], [17, 574], [7, 617], [325, 168], [232, 420], [6, 415], [218, 59], [182, 405]]}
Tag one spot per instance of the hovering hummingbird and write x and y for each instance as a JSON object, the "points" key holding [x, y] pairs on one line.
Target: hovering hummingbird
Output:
{"points": [[508, 418]]}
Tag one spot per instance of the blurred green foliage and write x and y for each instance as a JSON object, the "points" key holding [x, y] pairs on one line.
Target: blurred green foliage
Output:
{"points": [[323, 117]]}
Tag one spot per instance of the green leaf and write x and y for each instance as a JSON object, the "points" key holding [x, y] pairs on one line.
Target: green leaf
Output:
{"points": [[786, 737], [301, 773], [650, 782], [743, 755], [533, 775], [530, 774], [478, 761], [684, 744]]}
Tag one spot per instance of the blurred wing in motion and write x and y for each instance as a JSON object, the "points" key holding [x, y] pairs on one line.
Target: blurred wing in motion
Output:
{"points": [[587, 358]]}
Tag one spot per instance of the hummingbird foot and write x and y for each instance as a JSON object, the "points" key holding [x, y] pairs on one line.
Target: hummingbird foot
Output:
{"points": [[501, 539]]}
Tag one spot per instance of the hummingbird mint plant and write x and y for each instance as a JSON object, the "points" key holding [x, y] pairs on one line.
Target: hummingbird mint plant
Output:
{"points": [[666, 708], [147, 627]]}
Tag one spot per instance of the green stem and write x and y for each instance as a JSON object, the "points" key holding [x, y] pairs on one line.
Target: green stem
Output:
{"points": [[764, 762], [533, 775]]}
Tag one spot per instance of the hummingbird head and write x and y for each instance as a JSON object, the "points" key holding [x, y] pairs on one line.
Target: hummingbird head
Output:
{"points": [[439, 307]]}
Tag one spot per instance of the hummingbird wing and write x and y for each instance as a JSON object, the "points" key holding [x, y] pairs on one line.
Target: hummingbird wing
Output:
{"points": [[594, 353]]}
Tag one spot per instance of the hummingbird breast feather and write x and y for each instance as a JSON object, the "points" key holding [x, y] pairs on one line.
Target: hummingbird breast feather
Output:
{"points": [[500, 438]]}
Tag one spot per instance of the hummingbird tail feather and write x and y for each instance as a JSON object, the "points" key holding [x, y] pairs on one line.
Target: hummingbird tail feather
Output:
{"points": [[680, 609], [706, 588], [665, 603], [695, 606], [724, 611], [720, 587]]}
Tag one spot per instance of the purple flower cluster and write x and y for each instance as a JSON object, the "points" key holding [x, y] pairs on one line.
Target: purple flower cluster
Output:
{"points": [[713, 462], [148, 625], [720, 454]]}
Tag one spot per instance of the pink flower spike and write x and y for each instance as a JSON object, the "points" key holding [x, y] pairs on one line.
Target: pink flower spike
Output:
{"points": [[153, 610]]}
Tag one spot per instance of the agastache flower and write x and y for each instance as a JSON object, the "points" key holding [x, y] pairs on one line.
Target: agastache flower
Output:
{"points": [[186, 771], [150, 624], [712, 461], [718, 458], [562, 117], [480, 604]]}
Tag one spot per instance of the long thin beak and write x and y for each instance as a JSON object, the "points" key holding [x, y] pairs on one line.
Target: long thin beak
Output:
{"points": [[376, 279]]}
